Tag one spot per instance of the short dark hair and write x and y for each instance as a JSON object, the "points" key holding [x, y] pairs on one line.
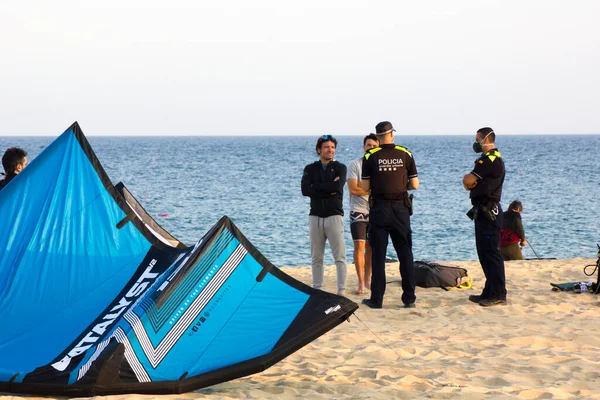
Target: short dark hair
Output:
{"points": [[371, 136], [483, 132], [12, 157], [516, 205], [323, 139]]}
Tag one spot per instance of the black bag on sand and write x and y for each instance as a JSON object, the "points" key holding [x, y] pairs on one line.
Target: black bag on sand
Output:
{"points": [[432, 274]]}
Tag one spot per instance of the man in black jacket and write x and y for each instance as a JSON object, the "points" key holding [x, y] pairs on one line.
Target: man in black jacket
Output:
{"points": [[323, 181]]}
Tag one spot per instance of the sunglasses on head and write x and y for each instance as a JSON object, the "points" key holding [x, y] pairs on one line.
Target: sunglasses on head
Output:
{"points": [[327, 137]]}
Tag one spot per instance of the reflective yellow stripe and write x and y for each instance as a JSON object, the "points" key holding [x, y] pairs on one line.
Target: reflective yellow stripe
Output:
{"points": [[404, 149], [492, 155], [371, 151]]}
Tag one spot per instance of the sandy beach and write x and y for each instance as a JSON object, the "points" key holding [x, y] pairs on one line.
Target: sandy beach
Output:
{"points": [[542, 345]]}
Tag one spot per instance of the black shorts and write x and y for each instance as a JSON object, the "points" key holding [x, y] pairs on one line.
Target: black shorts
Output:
{"points": [[358, 225]]}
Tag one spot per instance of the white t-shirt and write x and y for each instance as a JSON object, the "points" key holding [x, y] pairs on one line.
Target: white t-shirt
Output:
{"points": [[357, 203]]}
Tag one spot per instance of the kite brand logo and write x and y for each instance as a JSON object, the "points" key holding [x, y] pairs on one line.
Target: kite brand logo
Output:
{"points": [[137, 289], [199, 323], [203, 318]]}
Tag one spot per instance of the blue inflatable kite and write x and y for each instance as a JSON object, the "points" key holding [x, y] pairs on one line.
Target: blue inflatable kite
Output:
{"points": [[96, 298]]}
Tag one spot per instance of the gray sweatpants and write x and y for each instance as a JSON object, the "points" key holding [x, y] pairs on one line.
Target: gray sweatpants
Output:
{"points": [[320, 230]]}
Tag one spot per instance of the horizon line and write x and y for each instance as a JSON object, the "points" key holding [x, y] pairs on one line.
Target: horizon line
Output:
{"points": [[271, 134]]}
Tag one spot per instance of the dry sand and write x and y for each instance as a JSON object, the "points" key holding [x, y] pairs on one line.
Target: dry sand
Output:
{"points": [[542, 345]]}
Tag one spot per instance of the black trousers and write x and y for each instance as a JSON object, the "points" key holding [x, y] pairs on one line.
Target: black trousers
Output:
{"points": [[487, 238], [391, 219]]}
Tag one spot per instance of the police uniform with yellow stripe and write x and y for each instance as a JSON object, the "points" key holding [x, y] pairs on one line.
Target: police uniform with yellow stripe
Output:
{"points": [[389, 169], [490, 172]]}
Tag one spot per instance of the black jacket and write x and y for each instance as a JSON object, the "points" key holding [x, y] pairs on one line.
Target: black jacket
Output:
{"points": [[326, 195], [7, 178]]}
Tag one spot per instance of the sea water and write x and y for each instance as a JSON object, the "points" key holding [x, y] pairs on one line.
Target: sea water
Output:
{"points": [[188, 183]]}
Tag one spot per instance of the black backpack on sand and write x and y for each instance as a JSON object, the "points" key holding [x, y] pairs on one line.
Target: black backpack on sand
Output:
{"points": [[432, 274]]}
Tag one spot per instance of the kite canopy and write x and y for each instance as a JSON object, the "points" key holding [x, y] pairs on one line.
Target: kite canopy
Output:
{"points": [[96, 298]]}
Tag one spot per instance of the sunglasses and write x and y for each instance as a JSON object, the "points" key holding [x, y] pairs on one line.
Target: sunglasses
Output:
{"points": [[327, 137]]}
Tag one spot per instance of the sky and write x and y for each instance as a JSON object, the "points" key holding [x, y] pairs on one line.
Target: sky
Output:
{"points": [[131, 67]]}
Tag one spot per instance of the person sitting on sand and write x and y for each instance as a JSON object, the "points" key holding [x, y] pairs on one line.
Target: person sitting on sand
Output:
{"points": [[512, 235]]}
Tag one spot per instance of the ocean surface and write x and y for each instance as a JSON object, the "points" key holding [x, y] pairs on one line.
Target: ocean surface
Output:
{"points": [[188, 183]]}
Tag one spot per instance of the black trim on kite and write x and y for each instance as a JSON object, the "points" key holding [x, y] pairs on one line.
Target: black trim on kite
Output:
{"points": [[108, 185], [145, 217]]}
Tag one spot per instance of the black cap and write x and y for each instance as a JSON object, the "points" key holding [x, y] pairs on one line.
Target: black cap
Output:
{"points": [[383, 128]]}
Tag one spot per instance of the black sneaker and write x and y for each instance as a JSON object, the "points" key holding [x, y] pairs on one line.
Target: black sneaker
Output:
{"points": [[369, 303], [409, 305], [476, 298], [492, 302]]}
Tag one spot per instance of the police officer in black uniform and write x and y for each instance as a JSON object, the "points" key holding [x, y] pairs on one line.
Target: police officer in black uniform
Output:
{"points": [[389, 171], [485, 185]]}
